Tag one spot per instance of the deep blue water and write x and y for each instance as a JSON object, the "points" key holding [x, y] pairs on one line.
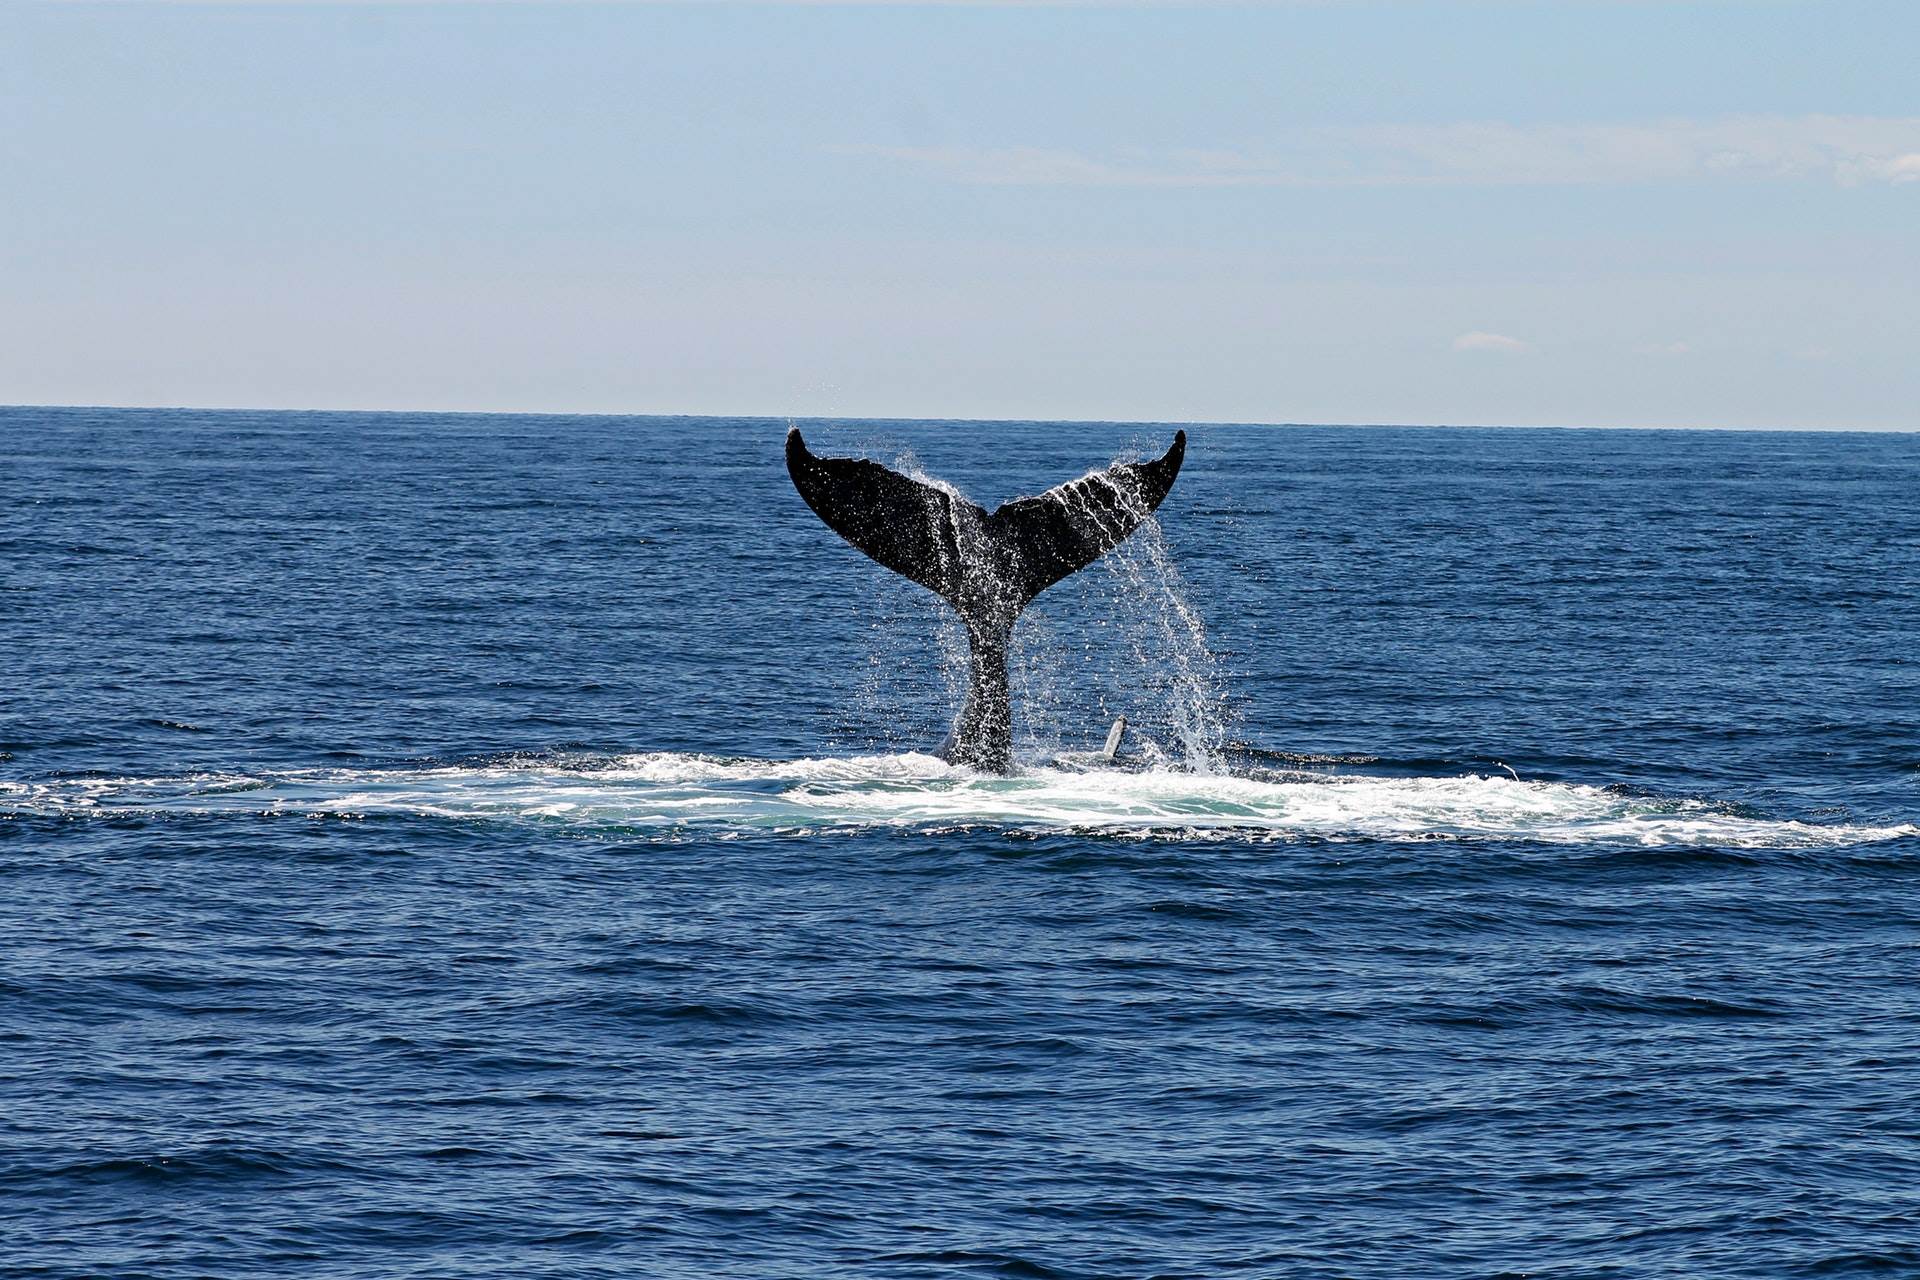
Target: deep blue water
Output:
{"points": [[496, 846]]}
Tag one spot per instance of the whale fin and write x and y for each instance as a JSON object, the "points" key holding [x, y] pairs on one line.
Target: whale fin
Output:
{"points": [[1073, 524], [938, 539], [911, 527], [987, 566]]}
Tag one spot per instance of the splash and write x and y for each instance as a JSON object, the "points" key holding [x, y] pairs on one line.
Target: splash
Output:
{"points": [[672, 796]]}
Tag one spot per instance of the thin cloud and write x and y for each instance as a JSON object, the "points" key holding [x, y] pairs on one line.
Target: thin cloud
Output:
{"points": [[1479, 340], [1847, 150]]}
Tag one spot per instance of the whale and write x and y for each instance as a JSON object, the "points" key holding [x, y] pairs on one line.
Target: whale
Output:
{"points": [[988, 566]]}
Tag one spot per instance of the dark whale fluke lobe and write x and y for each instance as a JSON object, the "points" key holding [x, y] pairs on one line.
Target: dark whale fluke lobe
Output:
{"points": [[989, 567]]}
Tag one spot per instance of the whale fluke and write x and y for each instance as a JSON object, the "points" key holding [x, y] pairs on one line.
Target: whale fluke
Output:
{"points": [[989, 567]]}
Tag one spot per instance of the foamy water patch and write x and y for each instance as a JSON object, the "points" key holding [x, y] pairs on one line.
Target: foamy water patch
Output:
{"points": [[668, 793]]}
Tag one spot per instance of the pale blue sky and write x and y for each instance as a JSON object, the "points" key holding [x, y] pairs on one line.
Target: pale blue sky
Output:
{"points": [[1445, 211]]}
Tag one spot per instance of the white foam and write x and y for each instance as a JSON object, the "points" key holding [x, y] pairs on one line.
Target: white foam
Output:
{"points": [[666, 793]]}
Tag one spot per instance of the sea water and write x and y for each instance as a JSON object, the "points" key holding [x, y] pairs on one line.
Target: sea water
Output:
{"points": [[490, 845]]}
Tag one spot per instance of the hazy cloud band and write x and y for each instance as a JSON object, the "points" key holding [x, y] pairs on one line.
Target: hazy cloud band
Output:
{"points": [[1848, 150]]}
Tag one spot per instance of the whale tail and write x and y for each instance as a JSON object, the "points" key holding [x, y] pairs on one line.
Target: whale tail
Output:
{"points": [[988, 566]]}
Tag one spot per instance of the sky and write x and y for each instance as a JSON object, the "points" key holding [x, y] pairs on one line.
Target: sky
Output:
{"points": [[1505, 212]]}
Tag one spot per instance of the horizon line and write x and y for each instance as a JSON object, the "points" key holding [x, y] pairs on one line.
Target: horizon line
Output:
{"points": [[947, 420]]}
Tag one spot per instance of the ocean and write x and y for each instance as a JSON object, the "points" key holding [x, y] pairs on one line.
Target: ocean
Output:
{"points": [[487, 845]]}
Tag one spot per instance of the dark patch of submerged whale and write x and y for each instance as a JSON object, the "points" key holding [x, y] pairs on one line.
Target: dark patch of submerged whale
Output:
{"points": [[988, 567]]}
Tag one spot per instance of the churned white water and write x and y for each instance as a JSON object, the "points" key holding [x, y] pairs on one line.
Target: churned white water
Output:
{"points": [[664, 793]]}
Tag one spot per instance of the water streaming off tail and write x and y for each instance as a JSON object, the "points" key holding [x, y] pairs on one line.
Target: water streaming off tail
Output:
{"points": [[1120, 637], [917, 658]]}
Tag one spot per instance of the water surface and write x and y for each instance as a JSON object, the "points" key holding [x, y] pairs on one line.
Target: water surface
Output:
{"points": [[461, 845]]}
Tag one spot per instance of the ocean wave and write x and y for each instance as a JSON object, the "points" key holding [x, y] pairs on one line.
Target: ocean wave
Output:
{"points": [[663, 792]]}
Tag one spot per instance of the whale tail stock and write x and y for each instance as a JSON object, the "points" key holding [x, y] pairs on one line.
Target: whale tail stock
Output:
{"points": [[988, 566]]}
